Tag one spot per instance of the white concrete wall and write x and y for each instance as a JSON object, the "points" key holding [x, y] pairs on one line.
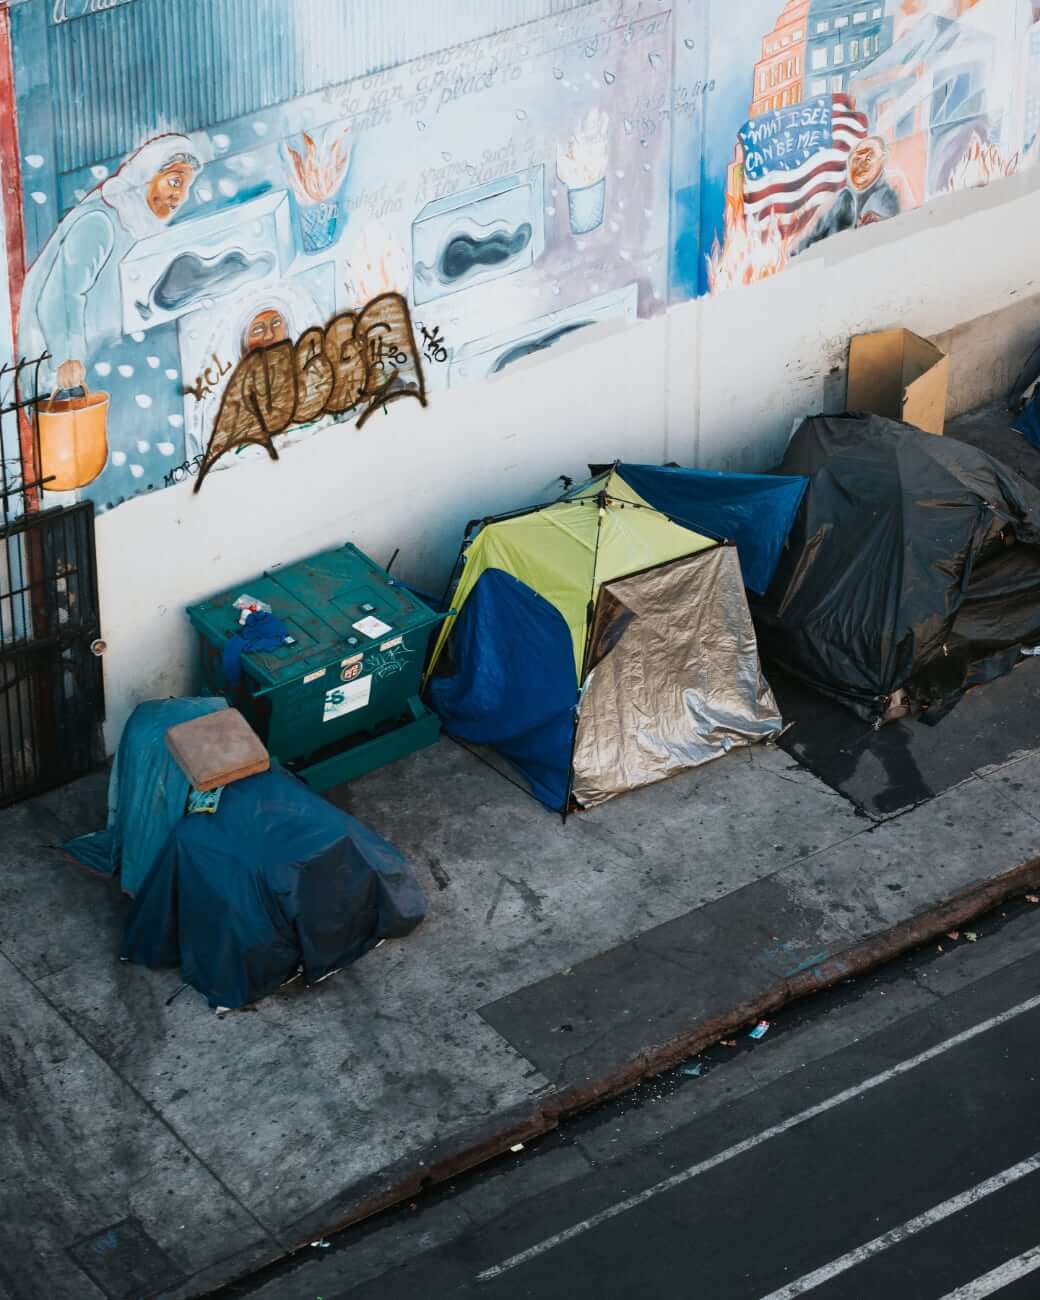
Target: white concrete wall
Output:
{"points": [[717, 383]]}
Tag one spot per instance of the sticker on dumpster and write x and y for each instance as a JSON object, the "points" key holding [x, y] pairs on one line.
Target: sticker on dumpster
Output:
{"points": [[347, 698], [313, 677], [349, 671], [389, 645], [372, 627]]}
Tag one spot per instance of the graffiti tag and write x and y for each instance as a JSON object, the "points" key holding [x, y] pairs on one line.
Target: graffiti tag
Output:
{"points": [[188, 470], [390, 662], [208, 381], [357, 362], [433, 344]]}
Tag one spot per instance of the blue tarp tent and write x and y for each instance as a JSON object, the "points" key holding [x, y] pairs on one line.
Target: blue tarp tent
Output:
{"points": [[754, 511]]}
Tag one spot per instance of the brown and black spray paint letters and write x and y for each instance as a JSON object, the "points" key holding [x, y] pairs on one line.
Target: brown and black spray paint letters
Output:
{"points": [[209, 379], [357, 362]]}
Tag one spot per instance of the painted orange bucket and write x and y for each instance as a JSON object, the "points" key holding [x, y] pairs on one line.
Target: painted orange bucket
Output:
{"points": [[73, 440]]}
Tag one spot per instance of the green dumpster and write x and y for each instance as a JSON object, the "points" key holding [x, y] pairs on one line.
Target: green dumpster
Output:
{"points": [[341, 697]]}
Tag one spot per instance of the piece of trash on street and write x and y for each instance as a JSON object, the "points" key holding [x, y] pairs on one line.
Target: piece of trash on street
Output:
{"points": [[517, 1146], [1032, 898], [692, 1069], [953, 934], [728, 1042], [940, 947], [322, 1244], [760, 1030], [971, 936]]}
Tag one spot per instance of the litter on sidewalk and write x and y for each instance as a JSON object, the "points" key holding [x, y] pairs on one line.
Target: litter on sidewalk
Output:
{"points": [[760, 1030]]}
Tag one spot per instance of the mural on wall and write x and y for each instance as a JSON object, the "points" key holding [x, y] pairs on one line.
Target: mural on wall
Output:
{"points": [[228, 285], [857, 110], [236, 288]]}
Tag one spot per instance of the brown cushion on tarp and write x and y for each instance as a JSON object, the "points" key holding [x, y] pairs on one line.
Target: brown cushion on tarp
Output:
{"points": [[217, 749]]}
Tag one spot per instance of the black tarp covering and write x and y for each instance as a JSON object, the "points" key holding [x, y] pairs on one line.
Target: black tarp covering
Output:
{"points": [[913, 565], [275, 880]]}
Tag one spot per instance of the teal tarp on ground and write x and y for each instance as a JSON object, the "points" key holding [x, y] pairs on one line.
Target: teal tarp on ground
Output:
{"points": [[276, 881], [147, 793]]}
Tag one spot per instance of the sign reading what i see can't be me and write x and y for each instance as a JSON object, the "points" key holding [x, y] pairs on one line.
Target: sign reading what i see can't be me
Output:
{"points": [[63, 11]]}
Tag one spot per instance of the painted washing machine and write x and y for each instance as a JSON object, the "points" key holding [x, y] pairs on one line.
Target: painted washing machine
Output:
{"points": [[478, 234], [491, 355]]}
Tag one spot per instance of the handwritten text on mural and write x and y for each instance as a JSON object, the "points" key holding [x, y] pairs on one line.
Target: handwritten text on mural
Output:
{"points": [[784, 140], [64, 11]]}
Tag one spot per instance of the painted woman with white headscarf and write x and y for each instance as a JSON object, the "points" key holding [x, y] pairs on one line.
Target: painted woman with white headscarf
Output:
{"points": [[71, 299]]}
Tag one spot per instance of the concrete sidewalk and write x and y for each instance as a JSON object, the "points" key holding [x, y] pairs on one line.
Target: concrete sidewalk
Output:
{"points": [[153, 1149]]}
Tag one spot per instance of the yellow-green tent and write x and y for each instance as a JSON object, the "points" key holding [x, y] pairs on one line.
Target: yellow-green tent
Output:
{"points": [[551, 603], [567, 550]]}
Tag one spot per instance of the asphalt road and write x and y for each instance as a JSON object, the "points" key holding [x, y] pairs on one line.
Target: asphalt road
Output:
{"points": [[908, 1184], [905, 1164]]}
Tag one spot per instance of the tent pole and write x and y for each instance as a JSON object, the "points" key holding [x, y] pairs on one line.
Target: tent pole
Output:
{"points": [[456, 568], [471, 527], [590, 612]]}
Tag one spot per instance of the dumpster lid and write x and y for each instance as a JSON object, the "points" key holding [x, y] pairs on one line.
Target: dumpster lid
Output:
{"points": [[335, 605]]}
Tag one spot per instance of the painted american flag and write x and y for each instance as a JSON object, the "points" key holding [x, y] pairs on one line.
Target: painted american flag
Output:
{"points": [[795, 159]]}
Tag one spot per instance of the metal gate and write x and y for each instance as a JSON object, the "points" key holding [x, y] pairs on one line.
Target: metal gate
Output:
{"points": [[51, 686]]}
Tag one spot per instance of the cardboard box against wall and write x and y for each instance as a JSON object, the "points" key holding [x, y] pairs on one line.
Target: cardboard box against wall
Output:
{"points": [[899, 375]]}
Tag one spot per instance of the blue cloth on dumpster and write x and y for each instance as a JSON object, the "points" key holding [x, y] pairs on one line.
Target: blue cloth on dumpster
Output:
{"points": [[275, 880], [261, 631], [147, 793]]}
